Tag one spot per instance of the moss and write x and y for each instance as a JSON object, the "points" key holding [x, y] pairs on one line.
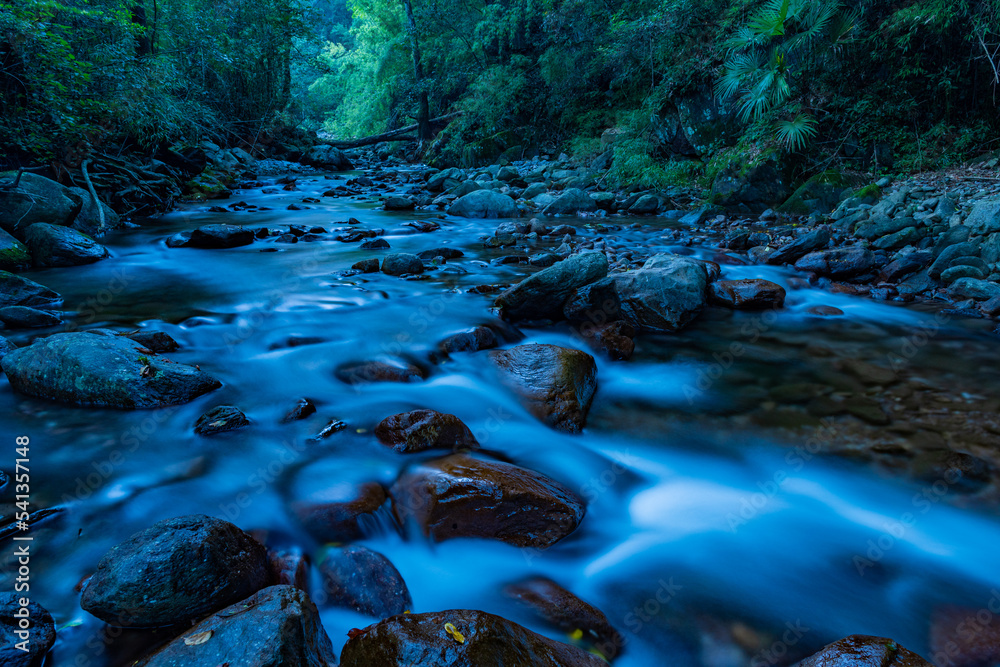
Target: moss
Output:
{"points": [[14, 257], [821, 192]]}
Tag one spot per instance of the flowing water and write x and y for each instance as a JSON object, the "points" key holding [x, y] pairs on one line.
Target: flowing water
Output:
{"points": [[709, 538]]}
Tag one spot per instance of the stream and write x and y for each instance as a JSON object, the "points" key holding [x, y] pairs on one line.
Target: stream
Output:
{"points": [[716, 535]]}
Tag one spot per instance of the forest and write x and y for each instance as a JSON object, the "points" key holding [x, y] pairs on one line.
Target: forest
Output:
{"points": [[666, 92]]}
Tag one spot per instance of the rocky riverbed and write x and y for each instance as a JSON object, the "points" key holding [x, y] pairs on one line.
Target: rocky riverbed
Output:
{"points": [[396, 415]]}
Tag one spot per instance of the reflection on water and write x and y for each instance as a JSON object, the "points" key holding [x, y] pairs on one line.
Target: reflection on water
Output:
{"points": [[714, 514]]}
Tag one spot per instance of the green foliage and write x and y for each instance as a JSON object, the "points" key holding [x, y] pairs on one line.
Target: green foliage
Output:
{"points": [[81, 73]]}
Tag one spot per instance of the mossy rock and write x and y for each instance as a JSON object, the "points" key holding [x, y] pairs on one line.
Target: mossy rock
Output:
{"points": [[14, 255], [821, 193], [869, 194], [207, 185]]}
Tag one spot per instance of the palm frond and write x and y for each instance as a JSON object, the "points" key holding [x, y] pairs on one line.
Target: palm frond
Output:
{"points": [[796, 133]]}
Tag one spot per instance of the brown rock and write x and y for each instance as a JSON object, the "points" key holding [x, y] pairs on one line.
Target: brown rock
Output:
{"points": [[864, 651], [342, 519], [839, 262], [556, 384], [379, 371], [475, 638], [959, 638], [421, 430], [569, 613], [615, 339], [459, 496], [753, 294]]}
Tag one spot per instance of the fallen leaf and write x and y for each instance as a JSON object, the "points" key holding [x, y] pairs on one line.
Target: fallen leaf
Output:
{"points": [[454, 633], [198, 639]]}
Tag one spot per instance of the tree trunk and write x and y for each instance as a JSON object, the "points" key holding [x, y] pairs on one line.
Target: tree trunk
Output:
{"points": [[394, 135], [423, 113], [143, 43]]}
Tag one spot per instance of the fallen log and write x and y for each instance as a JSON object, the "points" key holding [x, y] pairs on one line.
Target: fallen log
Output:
{"points": [[394, 135]]}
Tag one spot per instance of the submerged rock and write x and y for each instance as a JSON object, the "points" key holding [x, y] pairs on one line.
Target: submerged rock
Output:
{"points": [[567, 612], [279, 625], [175, 571], [358, 578], [108, 371], [379, 371], [54, 245], [458, 637], [556, 384], [460, 496], [340, 516], [543, 294], [38, 637], [421, 430]]}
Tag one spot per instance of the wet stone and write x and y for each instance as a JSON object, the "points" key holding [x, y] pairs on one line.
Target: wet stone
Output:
{"points": [[221, 419], [421, 430], [342, 511], [364, 580], [461, 496]]}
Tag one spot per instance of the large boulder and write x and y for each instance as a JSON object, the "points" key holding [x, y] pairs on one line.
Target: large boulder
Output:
{"points": [[107, 371], [864, 651], [460, 496], [328, 157], [663, 296], [751, 190], [54, 245], [14, 255], [556, 384], [358, 578], [573, 200], [276, 626], [24, 645], [542, 295], [18, 291], [985, 217], [484, 204], [39, 199], [458, 638], [176, 571], [421, 430]]}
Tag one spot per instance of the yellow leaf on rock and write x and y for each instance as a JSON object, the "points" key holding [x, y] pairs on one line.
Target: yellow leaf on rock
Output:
{"points": [[454, 633], [198, 639], [577, 635]]}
